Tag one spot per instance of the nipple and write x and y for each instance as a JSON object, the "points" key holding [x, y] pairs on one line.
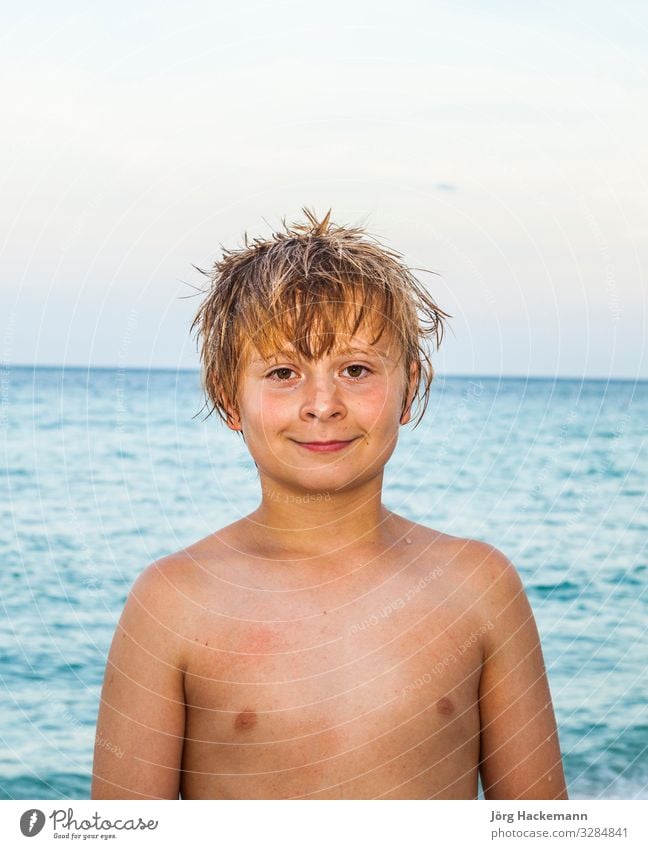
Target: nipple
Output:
{"points": [[245, 720]]}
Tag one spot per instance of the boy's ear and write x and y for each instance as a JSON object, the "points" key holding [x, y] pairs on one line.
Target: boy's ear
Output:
{"points": [[233, 418], [412, 384]]}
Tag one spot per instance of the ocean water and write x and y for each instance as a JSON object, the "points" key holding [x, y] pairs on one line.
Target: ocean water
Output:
{"points": [[104, 470]]}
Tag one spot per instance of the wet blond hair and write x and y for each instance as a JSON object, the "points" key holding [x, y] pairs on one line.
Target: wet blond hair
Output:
{"points": [[304, 286]]}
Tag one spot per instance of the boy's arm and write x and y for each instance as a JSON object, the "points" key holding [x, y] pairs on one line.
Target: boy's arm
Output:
{"points": [[140, 729], [520, 754]]}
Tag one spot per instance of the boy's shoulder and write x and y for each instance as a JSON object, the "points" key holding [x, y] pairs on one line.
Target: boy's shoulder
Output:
{"points": [[484, 563], [179, 584], [178, 575], [477, 569], [478, 560], [481, 590]]}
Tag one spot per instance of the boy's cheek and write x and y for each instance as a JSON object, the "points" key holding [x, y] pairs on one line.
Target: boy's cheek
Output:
{"points": [[271, 412]]}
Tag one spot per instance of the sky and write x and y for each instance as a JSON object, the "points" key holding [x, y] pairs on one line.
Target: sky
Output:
{"points": [[501, 145]]}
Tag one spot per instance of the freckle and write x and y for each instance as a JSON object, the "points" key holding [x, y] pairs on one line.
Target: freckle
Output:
{"points": [[245, 720], [445, 706]]}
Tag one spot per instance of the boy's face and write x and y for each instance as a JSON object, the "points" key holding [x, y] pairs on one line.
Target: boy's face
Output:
{"points": [[288, 407]]}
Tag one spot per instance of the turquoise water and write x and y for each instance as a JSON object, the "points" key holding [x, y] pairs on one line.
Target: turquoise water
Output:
{"points": [[104, 470]]}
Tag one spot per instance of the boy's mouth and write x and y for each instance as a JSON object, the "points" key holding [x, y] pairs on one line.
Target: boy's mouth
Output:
{"points": [[326, 446]]}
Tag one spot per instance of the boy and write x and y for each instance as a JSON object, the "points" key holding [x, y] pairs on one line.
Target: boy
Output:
{"points": [[324, 647]]}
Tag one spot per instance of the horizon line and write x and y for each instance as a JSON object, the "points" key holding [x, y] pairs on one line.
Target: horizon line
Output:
{"points": [[4, 367]]}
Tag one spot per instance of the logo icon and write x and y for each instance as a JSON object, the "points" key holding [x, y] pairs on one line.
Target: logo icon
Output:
{"points": [[31, 822]]}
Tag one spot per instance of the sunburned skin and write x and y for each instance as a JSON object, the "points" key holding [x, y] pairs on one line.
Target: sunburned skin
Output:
{"points": [[293, 698]]}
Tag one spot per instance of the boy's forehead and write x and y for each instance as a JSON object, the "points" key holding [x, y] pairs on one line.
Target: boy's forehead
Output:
{"points": [[361, 342]]}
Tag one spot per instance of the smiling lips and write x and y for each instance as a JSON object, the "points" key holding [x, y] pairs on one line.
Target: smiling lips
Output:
{"points": [[325, 446]]}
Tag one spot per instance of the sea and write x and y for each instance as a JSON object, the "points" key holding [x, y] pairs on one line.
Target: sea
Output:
{"points": [[103, 470]]}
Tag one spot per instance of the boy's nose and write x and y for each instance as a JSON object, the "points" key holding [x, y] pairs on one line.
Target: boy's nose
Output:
{"points": [[322, 401]]}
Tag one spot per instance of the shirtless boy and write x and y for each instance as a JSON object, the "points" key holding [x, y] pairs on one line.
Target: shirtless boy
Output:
{"points": [[324, 647]]}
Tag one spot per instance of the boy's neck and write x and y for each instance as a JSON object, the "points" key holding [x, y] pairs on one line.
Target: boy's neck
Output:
{"points": [[321, 524]]}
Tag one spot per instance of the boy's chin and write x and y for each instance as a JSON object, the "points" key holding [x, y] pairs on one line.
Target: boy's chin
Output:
{"points": [[330, 482]]}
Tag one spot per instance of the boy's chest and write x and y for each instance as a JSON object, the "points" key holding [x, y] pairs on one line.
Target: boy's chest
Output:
{"points": [[370, 682]]}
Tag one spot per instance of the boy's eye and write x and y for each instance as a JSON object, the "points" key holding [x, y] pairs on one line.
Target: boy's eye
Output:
{"points": [[283, 373], [357, 375]]}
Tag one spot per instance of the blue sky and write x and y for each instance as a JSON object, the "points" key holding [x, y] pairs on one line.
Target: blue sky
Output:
{"points": [[502, 145]]}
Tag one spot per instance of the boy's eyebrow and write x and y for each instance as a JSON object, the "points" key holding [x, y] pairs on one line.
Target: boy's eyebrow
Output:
{"points": [[290, 352]]}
